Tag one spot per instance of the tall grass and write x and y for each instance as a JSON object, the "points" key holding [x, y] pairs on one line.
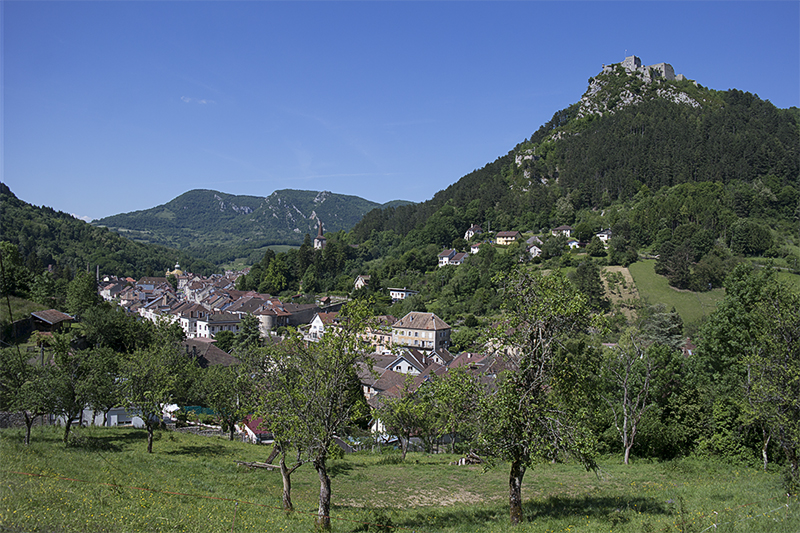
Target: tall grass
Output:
{"points": [[105, 481]]}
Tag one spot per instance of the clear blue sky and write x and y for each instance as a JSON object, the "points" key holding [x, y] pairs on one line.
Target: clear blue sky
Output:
{"points": [[110, 107]]}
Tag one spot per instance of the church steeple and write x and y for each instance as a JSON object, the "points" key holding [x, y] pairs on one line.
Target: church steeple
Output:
{"points": [[319, 241]]}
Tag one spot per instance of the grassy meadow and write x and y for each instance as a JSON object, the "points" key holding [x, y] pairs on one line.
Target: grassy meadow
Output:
{"points": [[105, 481], [654, 289]]}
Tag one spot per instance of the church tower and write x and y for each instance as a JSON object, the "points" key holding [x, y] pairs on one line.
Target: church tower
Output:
{"points": [[319, 240]]}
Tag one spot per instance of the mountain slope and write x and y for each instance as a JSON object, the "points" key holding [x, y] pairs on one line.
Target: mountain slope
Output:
{"points": [[45, 236], [199, 219], [630, 129]]}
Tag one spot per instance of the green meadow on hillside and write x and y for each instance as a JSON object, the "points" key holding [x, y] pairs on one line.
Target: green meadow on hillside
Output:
{"points": [[654, 289], [104, 481]]}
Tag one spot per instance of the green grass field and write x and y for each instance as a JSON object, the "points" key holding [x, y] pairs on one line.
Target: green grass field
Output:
{"points": [[104, 481], [20, 308], [654, 289]]}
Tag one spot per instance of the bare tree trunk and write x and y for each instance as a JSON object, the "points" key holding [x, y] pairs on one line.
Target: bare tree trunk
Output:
{"points": [[404, 446], [149, 437], [286, 475], [324, 513], [627, 454], [515, 491], [28, 423], [766, 438], [67, 427]]}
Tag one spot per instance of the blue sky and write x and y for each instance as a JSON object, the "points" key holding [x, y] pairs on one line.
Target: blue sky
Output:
{"points": [[110, 107]]}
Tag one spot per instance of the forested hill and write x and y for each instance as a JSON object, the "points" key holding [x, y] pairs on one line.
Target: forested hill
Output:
{"points": [[45, 237], [204, 220], [628, 135]]}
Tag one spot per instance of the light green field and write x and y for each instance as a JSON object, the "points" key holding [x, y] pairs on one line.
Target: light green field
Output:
{"points": [[20, 308], [105, 481], [654, 289]]}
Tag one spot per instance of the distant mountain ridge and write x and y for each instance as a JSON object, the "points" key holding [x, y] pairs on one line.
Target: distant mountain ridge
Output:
{"points": [[203, 217]]}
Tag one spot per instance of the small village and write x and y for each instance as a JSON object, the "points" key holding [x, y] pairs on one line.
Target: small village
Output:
{"points": [[209, 308]]}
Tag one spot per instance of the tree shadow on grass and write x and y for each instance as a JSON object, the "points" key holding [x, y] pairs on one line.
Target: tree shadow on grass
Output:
{"points": [[94, 440], [615, 510], [339, 468], [593, 507], [204, 449]]}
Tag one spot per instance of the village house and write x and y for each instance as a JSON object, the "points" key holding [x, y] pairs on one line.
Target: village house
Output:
{"points": [[421, 330], [566, 231], [362, 281], [459, 258], [319, 324], [504, 238], [604, 236], [50, 320], [210, 325], [188, 317], [445, 256], [472, 231], [379, 335], [401, 294], [535, 240], [451, 257]]}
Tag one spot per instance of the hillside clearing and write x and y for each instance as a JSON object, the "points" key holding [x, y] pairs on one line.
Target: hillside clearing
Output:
{"points": [[104, 481]]}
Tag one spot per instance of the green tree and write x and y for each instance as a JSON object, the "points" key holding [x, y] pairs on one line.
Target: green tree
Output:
{"points": [[102, 382], [730, 335], [149, 376], [249, 335], [226, 391], [310, 392], [82, 294], [773, 372], [587, 281], [534, 414], [595, 248], [24, 387], [14, 276], [627, 372], [405, 414], [70, 381], [455, 404], [109, 326], [225, 340]]}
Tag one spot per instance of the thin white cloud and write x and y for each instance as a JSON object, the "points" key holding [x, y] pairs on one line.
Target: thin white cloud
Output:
{"points": [[84, 218], [197, 100]]}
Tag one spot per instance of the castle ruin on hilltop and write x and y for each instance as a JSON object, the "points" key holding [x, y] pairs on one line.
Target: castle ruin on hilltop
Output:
{"points": [[633, 64]]}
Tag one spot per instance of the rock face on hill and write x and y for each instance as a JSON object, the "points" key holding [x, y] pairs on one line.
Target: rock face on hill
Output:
{"points": [[629, 83]]}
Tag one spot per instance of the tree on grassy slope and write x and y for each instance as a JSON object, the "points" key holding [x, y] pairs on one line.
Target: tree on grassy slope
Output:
{"points": [[773, 373], [534, 413], [23, 387], [150, 374], [311, 392], [226, 392], [627, 372]]}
